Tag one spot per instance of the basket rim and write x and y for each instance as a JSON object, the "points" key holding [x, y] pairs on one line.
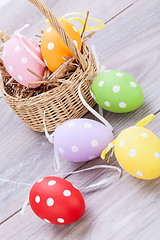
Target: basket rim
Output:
{"points": [[57, 91]]}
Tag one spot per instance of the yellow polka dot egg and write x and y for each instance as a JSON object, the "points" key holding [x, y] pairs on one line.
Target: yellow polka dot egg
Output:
{"points": [[137, 150], [54, 49]]}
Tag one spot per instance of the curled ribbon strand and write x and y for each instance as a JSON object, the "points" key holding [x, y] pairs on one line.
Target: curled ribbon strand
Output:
{"points": [[145, 120], [87, 29]]}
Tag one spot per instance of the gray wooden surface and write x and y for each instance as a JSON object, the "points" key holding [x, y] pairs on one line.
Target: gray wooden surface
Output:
{"points": [[125, 209]]}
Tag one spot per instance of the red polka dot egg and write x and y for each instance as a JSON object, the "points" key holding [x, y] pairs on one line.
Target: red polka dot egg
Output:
{"points": [[54, 49], [20, 53], [56, 201]]}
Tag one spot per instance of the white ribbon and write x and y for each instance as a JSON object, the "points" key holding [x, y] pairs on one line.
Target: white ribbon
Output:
{"points": [[14, 182], [29, 50], [100, 183], [56, 161], [17, 33], [25, 204], [50, 137], [101, 118], [19, 183]]}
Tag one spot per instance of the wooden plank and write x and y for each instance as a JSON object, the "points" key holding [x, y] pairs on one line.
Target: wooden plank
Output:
{"points": [[29, 155], [126, 209], [16, 13]]}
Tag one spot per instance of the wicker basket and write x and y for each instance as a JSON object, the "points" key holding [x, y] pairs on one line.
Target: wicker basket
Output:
{"points": [[61, 103]]}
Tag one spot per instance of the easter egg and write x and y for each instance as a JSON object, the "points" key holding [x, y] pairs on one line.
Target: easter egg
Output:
{"points": [[117, 91], [137, 149], [56, 201], [80, 140], [54, 49], [20, 53]]}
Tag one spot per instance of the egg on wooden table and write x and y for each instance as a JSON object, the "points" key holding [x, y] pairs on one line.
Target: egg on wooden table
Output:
{"points": [[20, 53], [117, 91], [137, 149], [80, 140], [56, 201], [54, 49]]}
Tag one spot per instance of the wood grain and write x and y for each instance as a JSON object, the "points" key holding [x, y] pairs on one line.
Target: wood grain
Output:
{"points": [[26, 158], [125, 209]]}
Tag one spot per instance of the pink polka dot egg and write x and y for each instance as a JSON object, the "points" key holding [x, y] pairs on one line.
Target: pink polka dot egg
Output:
{"points": [[20, 53], [55, 200], [80, 140]]}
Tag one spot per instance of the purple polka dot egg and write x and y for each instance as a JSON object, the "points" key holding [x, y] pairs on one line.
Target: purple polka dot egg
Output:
{"points": [[80, 140], [19, 54]]}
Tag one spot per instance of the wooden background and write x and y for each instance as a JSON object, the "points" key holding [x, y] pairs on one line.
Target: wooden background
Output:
{"points": [[125, 209]]}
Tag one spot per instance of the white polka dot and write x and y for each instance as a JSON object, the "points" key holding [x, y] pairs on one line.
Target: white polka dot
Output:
{"points": [[119, 74], [101, 83], [92, 94], [20, 77], [133, 84], [49, 29], [4, 53], [94, 143], [132, 152], [52, 182], [75, 29], [71, 124], [122, 104], [67, 193], [24, 60], [143, 134], [37, 199], [107, 103], [45, 62], [61, 150], [50, 202], [46, 220], [139, 173], [91, 157], [116, 89], [156, 155], [88, 125], [74, 149], [60, 220], [17, 49], [10, 68], [121, 143], [75, 43], [40, 180], [50, 46]]}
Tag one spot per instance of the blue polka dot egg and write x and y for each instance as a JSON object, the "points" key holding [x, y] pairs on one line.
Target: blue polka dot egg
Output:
{"points": [[117, 91]]}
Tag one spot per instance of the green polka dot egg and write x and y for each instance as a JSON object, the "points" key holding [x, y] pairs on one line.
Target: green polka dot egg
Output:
{"points": [[117, 91]]}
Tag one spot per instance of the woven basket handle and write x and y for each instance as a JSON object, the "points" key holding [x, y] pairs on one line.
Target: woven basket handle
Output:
{"points": [[63, 34]]}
